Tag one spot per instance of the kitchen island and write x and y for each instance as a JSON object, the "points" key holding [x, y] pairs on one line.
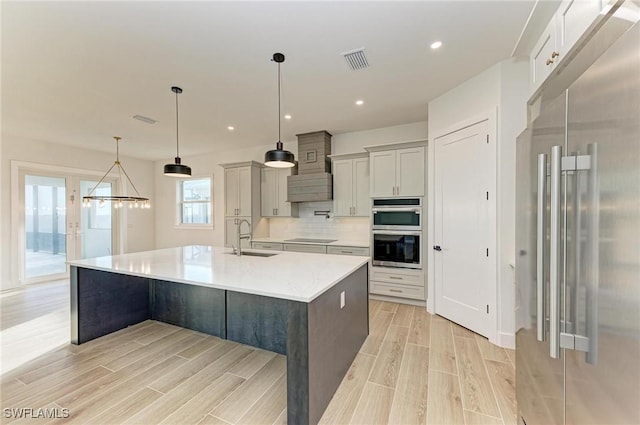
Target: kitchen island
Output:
{"points": [[311, 308]]}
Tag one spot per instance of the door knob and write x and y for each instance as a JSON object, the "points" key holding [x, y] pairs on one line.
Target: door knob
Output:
{"points": [[437, 248], [554, 55], [549, 62]]}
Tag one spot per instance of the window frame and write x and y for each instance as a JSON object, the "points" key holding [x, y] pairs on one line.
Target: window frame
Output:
{"points": [[180, 202]]}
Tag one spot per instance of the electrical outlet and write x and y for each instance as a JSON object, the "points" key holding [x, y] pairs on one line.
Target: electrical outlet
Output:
{"points": [[342, 299]]}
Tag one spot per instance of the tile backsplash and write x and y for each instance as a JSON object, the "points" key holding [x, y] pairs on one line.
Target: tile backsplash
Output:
{"points": [[311, 225]]}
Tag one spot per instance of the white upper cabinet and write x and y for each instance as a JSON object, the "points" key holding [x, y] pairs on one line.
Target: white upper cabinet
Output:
{"points": [[237, 191], [544, 56], [383, 173], [273, 189], [351, 185], [241, 197], [573, 20], [397, 172]]}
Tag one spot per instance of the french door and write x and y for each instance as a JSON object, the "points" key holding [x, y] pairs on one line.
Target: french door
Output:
{"points": [[55, 228]]}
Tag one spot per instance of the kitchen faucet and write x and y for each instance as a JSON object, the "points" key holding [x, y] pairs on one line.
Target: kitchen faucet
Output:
{"points": [[243, 235]]}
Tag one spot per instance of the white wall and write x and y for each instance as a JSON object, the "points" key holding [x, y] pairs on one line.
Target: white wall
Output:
{"points": [[169, 235], [502, 88], [355, 141], [138, 233]]}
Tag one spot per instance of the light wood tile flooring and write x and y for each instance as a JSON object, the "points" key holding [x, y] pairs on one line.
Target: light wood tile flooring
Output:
{"points": [[414, 368]]}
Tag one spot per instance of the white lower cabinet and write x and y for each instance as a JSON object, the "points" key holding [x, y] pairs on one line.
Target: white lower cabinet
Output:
{"points": [[396, 282], [348, 250], [316, 249], [272, 246]]}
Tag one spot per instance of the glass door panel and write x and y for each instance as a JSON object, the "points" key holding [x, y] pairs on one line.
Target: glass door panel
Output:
{"points": [[45, 248], [94, 230]]}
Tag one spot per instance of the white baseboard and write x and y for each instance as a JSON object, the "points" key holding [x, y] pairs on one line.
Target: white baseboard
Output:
{"points": [[506, 340], [397, 300]]}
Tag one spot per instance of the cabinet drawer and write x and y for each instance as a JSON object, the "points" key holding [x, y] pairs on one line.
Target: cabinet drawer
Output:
{"points": [[416, 279], [348, 250], [267, 245], [403, 291], [294, 247]]}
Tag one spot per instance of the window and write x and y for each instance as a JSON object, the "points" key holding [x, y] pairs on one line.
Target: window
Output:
{"points": [[194, 201]]}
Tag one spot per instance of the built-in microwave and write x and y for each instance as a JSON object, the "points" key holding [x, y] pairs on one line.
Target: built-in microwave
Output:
{"points": [[396, 214], [397, 249]]}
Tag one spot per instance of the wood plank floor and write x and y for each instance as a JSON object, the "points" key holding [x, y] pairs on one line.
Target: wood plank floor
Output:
{"points": [[414, 368]]}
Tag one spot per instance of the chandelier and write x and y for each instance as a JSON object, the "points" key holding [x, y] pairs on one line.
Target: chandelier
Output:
{"points": [[118, 201]]}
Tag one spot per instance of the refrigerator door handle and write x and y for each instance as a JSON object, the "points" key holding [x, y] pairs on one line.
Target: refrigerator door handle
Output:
{"points": [[593, 241], [554, 254], [541, 313]]}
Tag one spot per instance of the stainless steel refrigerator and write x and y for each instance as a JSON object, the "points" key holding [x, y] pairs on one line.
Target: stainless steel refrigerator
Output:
{"points": [[578, 243]]}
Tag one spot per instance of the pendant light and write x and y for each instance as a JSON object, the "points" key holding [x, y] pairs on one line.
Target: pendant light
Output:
{"points": [[177, 169], [135, 201], [279, 158]]}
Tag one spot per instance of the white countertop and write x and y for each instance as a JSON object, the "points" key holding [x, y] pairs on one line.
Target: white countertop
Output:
{"points": [[339, 242], [287, 275]]}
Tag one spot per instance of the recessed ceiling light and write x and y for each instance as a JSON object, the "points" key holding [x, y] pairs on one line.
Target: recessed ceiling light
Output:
{"points": [[436, 45], [359, 102], [231, 128], [287, 117]]}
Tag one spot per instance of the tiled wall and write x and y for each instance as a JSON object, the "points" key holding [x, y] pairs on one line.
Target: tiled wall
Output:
{"points": [[310, 225]]}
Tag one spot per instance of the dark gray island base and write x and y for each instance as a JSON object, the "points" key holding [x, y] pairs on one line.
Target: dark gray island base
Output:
{"points": [[319, 338]]}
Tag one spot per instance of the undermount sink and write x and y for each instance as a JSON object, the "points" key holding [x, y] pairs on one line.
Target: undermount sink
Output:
{"points": [[310, 240], [254, 254]]}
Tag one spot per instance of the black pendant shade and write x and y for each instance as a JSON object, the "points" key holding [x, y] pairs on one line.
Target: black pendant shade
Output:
{"points": [[278, 157], [177, 169]]}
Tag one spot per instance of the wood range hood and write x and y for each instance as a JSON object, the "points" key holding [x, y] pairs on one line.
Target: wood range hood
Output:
{"points": [[314, 181]]}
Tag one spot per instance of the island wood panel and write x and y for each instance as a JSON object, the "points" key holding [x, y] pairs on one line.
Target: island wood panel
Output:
{"points": [[189, 306], [105, 302], [320, 339]]}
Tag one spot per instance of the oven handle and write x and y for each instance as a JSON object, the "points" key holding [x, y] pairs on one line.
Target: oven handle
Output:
{"points": [[415, 210], [393, 232]]}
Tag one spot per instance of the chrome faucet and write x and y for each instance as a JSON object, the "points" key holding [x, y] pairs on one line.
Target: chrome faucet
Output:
{"points": [[243, 235]]}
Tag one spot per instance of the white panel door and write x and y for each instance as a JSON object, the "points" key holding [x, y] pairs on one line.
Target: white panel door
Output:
{"points": [[462, 228], [361, 198], [231, 191], [410, 171], [383, 173], [342, 171], [244, 191], [268, 188]]}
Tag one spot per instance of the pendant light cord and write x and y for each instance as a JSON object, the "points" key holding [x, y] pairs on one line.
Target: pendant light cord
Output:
{"points": [[177, 126], [279, 123]]}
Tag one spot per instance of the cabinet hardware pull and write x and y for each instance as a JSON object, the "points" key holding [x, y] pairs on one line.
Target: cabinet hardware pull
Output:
{"points": [[554, 55], [276, 211], [395, 277], [347, 252], [549, 62], [395, 290]]}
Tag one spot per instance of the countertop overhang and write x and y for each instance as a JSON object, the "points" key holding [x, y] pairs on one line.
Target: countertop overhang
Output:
{"points": [[287, 275]]}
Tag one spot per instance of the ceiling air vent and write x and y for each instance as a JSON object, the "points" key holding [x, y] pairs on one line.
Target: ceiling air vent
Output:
{"points": [[356, 59]]}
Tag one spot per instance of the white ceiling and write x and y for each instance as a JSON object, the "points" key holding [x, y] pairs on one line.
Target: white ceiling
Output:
{"points": [[76, 72]]}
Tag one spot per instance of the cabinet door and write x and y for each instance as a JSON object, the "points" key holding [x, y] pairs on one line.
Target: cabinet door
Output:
{"points": [[410, 163], [342, 187], [361, 198], [244, 191], [573, 19], [231, 231], [230, 191], [542, 52], [383, 173], [283, 208], [268, 191]]}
